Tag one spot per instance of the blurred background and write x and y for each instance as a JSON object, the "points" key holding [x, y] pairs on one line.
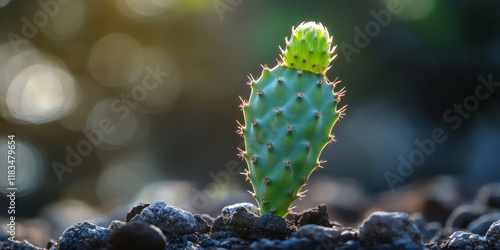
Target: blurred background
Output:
{"points": [[119, 102]]}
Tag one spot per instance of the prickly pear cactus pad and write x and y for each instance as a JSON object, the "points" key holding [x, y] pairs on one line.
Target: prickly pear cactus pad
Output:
{"points": [[289, 118]]}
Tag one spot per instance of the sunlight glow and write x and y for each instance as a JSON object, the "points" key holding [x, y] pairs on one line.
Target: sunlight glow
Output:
{"points": [[41, 93]]}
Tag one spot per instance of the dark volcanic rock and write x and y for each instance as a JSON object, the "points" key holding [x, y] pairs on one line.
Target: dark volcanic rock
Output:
{"points": [[171, 220], [463, 240], [317, 216], [83, 236], [202, 226], [115, 224], [493, 235], [489, 195], [135, 211], [348, 235], [137, 235], [17, 245], [397, 229], [250, 227], [462, 216], [324, 236], [229, 210], [233, 243], [482, 224], [291, 243], [209, 219]]}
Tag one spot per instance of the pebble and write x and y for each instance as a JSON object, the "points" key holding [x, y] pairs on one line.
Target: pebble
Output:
{"points": [[171, 220], [464, 240], [462, 216], [493, 235], [17, 245], [390, 227], [347, 235], [83, 236], [135, 211], [115, 224], [229, 210], [137, 235], [489, 195], [291, 243], [320, 234], [317, 216], [482, 224]]}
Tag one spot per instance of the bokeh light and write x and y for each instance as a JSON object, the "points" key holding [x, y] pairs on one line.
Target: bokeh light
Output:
{"points": [[29, 168], [111, 128], [121, 181], [173, 192], [160, 91], [64, 24], [143, 10], [88, 95], [415, 10], [35, 87], [41, 93], [66, 212], [4, 3], [110, 62]]}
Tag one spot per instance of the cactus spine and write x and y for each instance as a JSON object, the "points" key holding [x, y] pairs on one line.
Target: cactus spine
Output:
{"points": [[288, 119]]}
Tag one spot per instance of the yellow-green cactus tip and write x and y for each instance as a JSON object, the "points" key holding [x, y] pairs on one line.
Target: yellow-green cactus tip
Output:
{"points": [[309, 48]]}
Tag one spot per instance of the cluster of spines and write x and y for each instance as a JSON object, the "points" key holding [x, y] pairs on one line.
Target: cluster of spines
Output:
{"points": [[309, 48]]}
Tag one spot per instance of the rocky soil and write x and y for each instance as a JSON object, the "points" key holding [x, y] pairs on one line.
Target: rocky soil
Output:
{"points": [[473, 225]]}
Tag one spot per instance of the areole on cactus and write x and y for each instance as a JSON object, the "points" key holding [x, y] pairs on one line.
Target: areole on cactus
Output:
{"points": [[289, 118]]}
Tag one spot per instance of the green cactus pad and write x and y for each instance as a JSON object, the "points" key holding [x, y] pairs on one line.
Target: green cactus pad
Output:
{"points": [[288, 120], [309, 48]]}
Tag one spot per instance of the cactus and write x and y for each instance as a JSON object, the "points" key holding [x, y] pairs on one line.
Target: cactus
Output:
{"points": [[288, 119]]}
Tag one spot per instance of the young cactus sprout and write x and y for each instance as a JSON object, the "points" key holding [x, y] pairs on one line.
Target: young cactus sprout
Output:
{"points": [[289, 118]]}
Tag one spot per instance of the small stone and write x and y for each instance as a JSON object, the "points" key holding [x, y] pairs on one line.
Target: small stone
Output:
{"points": [[463, 240], [462, 216], [82, 236], [291, 243], [229, 210], [115, 224], [135, 211], [351, 245], [170, 220], [6, 244], [317, 216], [322, 235], [433, 246], [493, 235], [482, 224], [489, 195], [137, 235], [347, 235], [293, 217], [388, 227]]}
